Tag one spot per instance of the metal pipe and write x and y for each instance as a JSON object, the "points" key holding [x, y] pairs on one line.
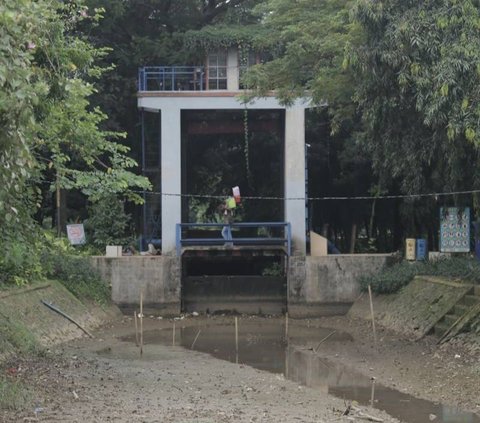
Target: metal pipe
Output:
{"points": [[57, 310]]}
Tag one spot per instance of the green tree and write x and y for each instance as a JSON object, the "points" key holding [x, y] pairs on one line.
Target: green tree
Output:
{"points": [[68, 137], [307, 40], [20, 26], [418, 89], [49, 133]]}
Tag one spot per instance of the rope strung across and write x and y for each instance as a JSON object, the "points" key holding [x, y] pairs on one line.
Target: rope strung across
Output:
{"points": [[380, 197]]}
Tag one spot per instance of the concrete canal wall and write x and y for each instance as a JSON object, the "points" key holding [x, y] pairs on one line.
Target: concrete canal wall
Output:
{"points": [[328, 285], [158, 277], [315, 286]]}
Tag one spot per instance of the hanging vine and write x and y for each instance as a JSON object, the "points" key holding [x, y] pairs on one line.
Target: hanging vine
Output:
{"points": [[243, 56], [246, 148]]}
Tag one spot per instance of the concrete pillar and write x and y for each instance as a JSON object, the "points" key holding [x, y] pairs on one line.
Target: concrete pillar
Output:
{"points": [[171, 177], [233, 76], [295, 176]]}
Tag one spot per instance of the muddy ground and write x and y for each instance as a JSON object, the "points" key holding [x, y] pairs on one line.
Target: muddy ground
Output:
{"points": [[106, 379]]}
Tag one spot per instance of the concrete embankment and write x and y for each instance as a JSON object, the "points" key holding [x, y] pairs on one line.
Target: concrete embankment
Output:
{"points": [[26, 322], [311, 286], [420, 307]]}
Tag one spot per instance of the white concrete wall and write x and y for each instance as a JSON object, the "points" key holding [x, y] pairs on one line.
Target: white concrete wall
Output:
{"points": [[171, 177], [295, 177]]}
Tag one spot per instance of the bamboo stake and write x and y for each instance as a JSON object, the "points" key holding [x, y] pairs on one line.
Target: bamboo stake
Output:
{"points": [[141, 322], [195, 340], [173, 334], [373, 316], [287, 353], [286, 325], [372, 396], [236, 334], [136, 327]]}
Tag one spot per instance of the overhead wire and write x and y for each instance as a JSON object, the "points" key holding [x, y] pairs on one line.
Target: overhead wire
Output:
{"points": [[327, 198]]}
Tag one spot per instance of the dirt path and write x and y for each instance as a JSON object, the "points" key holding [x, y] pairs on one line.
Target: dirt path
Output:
{"points": [[106, 380]]}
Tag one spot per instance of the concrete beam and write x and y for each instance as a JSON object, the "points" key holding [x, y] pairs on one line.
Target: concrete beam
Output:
{"points": [[295, 177], [209, 100], [171, 177], [233, 76]]}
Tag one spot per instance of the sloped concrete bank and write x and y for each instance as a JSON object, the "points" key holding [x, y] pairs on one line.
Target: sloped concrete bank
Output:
{"points": [[27, 322], [415, 310]]}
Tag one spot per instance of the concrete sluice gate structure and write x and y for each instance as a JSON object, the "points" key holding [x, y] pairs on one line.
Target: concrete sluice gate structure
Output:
{"points": [[310, 286], [188, 106]]}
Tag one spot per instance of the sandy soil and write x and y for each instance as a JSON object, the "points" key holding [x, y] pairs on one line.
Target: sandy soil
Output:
{"points": [[449, 373], [105, 379], [86, 383]]}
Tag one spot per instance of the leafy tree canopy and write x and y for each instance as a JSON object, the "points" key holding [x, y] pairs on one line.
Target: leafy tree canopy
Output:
{"points": [[418, 90], [49, 132], [214, 37], [311, 36]]}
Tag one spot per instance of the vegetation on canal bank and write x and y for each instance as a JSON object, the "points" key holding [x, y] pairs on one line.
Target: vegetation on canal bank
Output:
{"points": [[391, 279]]}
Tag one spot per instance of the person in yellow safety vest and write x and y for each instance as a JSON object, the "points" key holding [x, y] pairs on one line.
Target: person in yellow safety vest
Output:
{"points": [[228, 210]]}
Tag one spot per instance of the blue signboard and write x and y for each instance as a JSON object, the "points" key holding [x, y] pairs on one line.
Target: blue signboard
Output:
{"points": [[455, 230], [421, 249]]}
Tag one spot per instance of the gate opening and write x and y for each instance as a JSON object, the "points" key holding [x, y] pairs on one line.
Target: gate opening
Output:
{"points": [[249, 282]]}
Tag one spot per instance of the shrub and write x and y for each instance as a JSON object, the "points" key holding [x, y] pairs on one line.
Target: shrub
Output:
{"points": [[391, 279], [108, 224], [19, 262], [79, 277], [48, 256]]}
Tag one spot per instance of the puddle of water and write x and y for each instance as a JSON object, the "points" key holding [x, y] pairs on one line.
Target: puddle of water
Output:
{"points": [[262, 345]]}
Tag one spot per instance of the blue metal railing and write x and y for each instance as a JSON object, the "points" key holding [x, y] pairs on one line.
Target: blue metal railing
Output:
{"points": [[171, 78], [234, 235]]}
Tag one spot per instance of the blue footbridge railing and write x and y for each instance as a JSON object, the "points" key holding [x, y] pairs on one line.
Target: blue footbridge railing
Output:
{"points": [[267, 234]]}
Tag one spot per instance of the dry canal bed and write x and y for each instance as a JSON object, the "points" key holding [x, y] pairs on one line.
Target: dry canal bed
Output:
{"points": [[304, 373]]}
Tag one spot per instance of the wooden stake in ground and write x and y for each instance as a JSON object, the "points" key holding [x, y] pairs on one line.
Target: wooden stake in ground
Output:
{"points": [[173, 334], [136, 327], [286, 325], [236, 334], [372, 395], [287, 353], [195, 340], [373, 316], [236, 339], [141, 322]]}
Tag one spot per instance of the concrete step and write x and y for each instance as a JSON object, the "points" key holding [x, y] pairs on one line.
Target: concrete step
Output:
{"points": [[471, 300], [450, 319], [440, 328], [460, 309]]}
